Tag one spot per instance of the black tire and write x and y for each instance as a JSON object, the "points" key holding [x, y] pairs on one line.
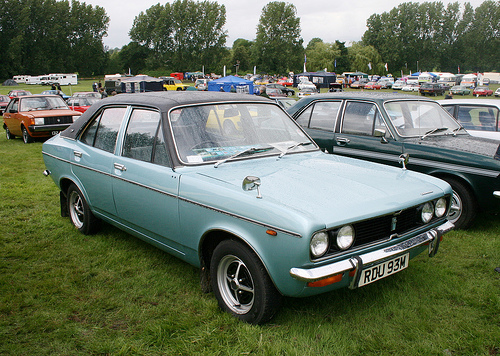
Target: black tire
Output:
{"points": [[464, 206], [290, 93], [241, 283], [8, 134], [79, 212], [26, 136]]}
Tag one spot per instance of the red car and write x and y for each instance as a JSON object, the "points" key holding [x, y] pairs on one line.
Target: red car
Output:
{"points": [[81, 103], [482, 91], [373, 85], [16, 93], [4, 101]]}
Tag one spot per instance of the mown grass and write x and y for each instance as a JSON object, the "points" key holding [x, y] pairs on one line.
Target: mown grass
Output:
{"points": [[63, 293]]}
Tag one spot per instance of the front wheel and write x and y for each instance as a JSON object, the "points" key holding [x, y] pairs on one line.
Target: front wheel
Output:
{"points": [[241, 283], [26, 136], [290, 93], [79, 212], [463, 205]]}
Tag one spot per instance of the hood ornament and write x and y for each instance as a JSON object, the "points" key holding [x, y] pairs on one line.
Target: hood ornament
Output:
{"points": [[403, 159]]}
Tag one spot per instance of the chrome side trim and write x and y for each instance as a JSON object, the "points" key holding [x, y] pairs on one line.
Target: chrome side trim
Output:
{"points": [[267, 226], [314, 274], [416, 161]]}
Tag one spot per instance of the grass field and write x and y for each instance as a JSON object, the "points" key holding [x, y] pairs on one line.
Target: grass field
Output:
{"points": [[63, 293]]}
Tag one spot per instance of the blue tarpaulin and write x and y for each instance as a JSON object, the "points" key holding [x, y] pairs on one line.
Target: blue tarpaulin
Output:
{"points": [[231, 83]]}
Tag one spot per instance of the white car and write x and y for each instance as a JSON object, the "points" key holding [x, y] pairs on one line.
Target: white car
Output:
{"points": [[480, 117], [305, 84], [497, 92], [411, 87], [307, 91], [398, 84]]}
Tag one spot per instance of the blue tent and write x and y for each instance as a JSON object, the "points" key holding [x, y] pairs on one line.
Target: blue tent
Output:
{"points": [[231, 83]]}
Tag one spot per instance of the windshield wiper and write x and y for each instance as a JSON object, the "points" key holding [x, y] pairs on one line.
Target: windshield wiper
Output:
{"points": [[458, 129], [294, 146], [430, 132], [250, 150]]}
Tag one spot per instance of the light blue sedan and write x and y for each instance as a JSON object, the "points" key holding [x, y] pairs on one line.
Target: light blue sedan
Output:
{"points": [[231, 184]]}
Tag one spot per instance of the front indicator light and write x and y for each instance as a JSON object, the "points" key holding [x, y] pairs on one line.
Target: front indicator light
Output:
{"points": [[326, 282], [440, 208], [345, 237], [427, 212], [319, 244]]}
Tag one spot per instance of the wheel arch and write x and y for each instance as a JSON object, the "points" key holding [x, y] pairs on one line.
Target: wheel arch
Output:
{"points": [[209, 241], [464, 180]]}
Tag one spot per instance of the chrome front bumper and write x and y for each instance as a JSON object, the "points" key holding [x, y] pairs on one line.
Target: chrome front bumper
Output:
{"points": [[431, 237]]}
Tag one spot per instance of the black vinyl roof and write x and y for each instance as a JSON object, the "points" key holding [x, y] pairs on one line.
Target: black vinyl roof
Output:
{"points": [[160, 100]]}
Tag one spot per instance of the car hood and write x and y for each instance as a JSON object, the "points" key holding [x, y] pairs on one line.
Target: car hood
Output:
{"points": [[310, 188], [461, 142]]}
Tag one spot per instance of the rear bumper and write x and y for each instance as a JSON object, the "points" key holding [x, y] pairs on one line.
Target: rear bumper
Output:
{"points": [[431, 237]]}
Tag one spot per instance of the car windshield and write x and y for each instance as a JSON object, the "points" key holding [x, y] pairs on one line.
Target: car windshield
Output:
{"points": [[43, 103], [213, 133], [419, 118]]}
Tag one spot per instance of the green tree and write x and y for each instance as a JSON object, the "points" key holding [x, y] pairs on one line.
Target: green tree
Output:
{"points": [[242, 54], [361, 57], [439, 38], [184, 35], [47, 36], [278, 44]]}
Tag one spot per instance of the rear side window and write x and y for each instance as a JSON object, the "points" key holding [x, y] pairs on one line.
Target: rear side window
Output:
{"points": [[143, 138], [103, 131]]}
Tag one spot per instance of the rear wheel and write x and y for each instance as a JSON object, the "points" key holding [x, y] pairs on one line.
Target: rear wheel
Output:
{"points": [[79, 211], [463, 205], [289, 93], [241, 283], [8, 134], [26, 136]]}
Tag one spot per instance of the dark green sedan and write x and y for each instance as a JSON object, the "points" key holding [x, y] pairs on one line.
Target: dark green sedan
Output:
{"points": [[416, 132]]}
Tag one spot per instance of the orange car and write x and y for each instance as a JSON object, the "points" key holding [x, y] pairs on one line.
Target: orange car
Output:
{"points": [[36, 116]]}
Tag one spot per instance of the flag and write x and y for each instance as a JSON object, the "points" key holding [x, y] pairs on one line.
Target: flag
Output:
{"points": [[386, 68], [458, 70], [305, 61], [335, 64], [370, 65]]}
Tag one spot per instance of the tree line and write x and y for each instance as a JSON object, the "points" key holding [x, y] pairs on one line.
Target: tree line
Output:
{"points": [[49, 36]]}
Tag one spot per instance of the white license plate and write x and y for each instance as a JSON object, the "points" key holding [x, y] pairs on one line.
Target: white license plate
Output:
{"points": [[384, 269]]}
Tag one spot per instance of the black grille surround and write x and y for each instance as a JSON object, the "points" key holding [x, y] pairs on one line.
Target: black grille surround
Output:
{"points": [[56, 120], [381, 228]]}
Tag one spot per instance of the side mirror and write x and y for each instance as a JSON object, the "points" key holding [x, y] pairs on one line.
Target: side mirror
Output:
{"points": [[380, 133], [251, 183]]}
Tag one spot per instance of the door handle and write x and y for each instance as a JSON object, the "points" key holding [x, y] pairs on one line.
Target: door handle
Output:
{"points": [[77, 154], [120, 167], [342, 141]]}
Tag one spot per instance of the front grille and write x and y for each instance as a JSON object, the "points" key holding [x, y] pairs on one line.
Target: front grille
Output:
{"points": [[381, 228], [58, 120]]}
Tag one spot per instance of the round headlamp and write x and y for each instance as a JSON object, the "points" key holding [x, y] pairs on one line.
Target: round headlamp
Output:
{"points": [[345, 237], [440, 208], [319, 244], [427, 212]]}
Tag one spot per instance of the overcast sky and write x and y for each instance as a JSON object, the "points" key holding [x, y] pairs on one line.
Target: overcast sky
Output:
{"points": [[329, 20]]}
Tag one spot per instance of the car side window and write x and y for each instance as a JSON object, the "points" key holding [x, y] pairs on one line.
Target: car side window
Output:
{"points": [[303, 119], [478, 117], [140, 134], [359, 118], [103, 131], [324, 115], [160, 155]]}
